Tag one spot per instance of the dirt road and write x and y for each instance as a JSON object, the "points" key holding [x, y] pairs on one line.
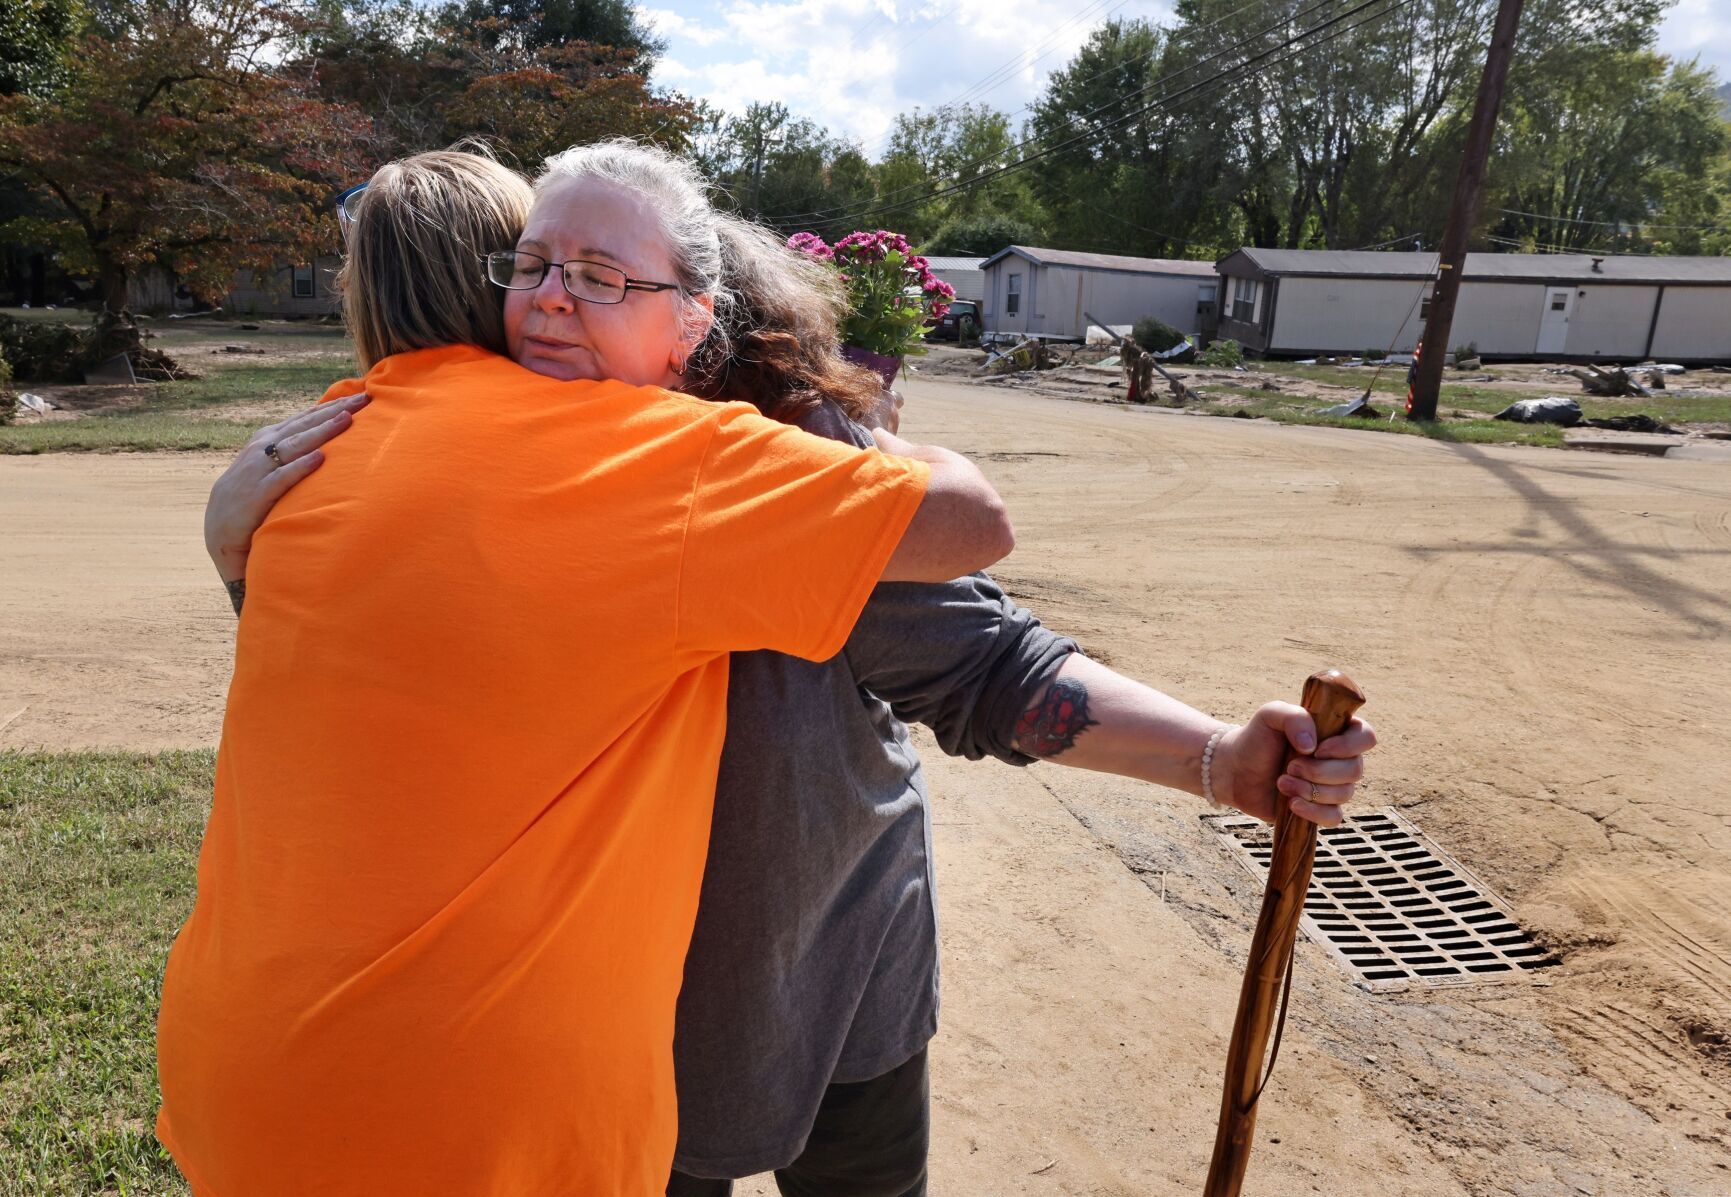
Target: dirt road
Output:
{"points": [[1543, 636]]}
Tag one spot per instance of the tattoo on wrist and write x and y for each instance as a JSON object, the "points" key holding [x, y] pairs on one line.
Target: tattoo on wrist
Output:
{"points": [[236, 593], [1051, 725]]}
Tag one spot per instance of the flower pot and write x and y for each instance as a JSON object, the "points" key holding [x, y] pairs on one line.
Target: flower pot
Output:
{"points": [[883, 364]]}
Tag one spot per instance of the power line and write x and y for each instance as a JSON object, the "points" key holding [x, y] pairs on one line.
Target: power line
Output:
{"points": [[1226, 76], [1413, 237], [1578, 250], [1123, 99], [1126, 98], [1618, 224], [1201, 29], [1288, 49]]}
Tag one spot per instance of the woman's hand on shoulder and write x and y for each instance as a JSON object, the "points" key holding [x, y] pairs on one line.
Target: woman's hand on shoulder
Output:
{"points": [[273, 460], [1251, 771], [887, 415]]}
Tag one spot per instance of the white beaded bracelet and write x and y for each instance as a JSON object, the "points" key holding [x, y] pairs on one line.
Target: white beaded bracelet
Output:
{"points": [[1208, 765]]}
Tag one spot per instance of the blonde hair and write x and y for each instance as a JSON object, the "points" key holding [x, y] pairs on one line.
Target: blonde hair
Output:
{"points": [[413, 276], [773, 339]]}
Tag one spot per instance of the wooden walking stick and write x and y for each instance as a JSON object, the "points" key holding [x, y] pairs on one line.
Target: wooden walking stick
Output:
{"points": [[1331, 697]]}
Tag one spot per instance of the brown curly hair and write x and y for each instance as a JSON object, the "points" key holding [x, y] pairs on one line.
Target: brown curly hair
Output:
{"points": [[779, 348]]}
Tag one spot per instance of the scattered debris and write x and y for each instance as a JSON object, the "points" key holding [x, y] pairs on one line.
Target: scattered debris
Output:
{"points": [[1360, 408], [1610, 383], [1639, 422], [1030, 354], [1469, 363], [32, 402], [116, 369], [49, 351], [238, 349], [250, 327], [1554, 410]]}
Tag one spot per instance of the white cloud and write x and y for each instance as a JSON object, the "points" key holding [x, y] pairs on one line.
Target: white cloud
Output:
{"points": [[1699, 28], [852, 65]]}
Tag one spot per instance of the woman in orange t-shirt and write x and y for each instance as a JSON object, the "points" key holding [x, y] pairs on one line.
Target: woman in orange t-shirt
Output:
{"points": [[464, 787]]}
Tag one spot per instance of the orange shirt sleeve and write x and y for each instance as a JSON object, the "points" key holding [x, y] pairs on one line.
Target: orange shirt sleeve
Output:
{"points": [[787, 535]]}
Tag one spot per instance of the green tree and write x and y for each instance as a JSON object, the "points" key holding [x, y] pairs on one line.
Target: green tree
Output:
{"points": [[35, 42], [171, 146], [538, 24], [786, 171], [1620, 150], [1115, 178]]}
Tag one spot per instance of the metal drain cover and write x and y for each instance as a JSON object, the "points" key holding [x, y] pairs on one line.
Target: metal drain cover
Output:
{"points": [[1393, 907]]}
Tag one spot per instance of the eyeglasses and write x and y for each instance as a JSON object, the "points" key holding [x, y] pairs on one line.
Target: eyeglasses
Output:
{"points": [[592, 282], [349, 205]]}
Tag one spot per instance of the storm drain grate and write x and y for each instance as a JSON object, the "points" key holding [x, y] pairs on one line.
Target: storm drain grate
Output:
{"points": [[1393, 907]]}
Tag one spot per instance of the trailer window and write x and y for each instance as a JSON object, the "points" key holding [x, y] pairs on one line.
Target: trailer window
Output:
{"points": [[1013, 300], [1244, 300], [303, 282]]}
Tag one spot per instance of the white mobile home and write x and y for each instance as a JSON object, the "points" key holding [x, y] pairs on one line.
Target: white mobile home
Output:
{"points": [[964, 274], [1579, 307], [1051, 292]]}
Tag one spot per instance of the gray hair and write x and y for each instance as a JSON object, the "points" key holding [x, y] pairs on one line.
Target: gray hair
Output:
{"points": [[774, 338], [689, 221]]}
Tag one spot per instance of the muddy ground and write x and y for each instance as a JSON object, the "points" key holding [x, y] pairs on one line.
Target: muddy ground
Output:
{"points": [[1545, 639]]}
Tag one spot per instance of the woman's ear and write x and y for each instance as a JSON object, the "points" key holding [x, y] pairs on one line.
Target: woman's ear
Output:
{"points": [[697, 326]]}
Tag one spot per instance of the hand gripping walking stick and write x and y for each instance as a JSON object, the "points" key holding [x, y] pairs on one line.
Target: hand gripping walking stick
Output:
{"points": [[1331, 697]]}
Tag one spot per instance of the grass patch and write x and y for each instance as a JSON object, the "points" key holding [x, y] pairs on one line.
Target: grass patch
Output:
{"points": [[299, 362], [147, 432], [98, 851], [302, 380], [1299, 409], [1664, 405]]}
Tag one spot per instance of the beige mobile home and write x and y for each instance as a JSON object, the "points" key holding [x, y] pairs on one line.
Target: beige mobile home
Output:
{"points": [[285, 290], [1581, 307], [1045, 292]]}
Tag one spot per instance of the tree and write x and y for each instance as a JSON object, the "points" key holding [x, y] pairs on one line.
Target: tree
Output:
{"points": [[428, 78], [35, 37], [533, 103], [172, 146], [786, 171], [957, 146], [540, 24], [1622, 151], [981, 236], [1120, 179]]}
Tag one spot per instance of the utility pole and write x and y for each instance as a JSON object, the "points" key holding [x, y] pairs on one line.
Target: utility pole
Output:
{"points": [[1463, 212]]}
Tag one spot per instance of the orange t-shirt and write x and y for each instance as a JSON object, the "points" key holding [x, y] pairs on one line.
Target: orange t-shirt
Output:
{"points": [[464, 789]]}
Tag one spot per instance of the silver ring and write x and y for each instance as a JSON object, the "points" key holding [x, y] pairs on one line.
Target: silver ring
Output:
{"points": [[270, 452], [1312, 786]]}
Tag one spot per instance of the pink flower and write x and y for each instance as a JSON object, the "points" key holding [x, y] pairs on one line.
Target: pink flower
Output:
{"points": [[811, 244]]}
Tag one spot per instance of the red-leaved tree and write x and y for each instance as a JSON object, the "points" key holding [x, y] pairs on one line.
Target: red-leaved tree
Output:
{"points": [[176, 143]]}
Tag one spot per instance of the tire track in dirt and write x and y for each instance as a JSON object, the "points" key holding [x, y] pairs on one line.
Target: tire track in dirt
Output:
{"points": [[1676, 930], [1639, 1058]]}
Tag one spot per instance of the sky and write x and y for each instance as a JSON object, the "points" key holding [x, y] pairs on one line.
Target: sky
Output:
{"points": [[852, 65]]}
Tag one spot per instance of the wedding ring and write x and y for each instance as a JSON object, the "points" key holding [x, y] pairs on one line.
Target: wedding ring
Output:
{"points": [[270, 452]]}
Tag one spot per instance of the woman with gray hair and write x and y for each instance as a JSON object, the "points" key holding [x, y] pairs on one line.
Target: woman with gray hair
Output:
{"points": [[810, 988]]}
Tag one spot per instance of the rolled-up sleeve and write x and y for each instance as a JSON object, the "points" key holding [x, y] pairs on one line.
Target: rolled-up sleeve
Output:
{"points": [[960, 657]]}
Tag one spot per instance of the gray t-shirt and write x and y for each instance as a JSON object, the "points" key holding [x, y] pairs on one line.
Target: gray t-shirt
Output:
{"points": [[814, 960]]}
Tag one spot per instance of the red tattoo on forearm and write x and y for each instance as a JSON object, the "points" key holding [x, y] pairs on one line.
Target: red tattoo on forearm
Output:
{"points": [[1052, 724]]}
